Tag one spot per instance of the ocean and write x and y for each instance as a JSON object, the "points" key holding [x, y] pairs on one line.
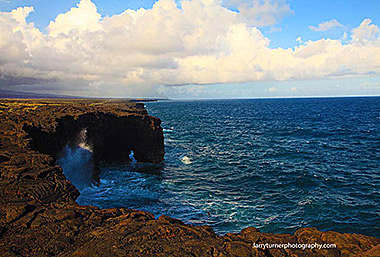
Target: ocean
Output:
{"points": [[274, 164]]}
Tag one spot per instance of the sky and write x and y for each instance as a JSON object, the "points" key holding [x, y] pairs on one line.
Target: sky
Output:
{"points": [[191, 49]]}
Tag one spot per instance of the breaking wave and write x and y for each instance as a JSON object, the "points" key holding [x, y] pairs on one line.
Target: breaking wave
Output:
{"points": [[77, 162]]}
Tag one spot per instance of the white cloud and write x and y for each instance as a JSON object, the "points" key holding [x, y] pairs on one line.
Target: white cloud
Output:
{"points": [[261, 12], [272, 89], [345, 35], [370, 86], [366, 33], [327, 25], [188, 90], [84, 17], [130, 53]]}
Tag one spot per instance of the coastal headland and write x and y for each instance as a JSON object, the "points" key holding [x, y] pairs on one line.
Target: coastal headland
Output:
{"points": [[39, 215]]}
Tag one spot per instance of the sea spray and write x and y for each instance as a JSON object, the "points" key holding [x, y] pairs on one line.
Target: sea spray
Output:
{"points": [[77, 162], [132, 157]]}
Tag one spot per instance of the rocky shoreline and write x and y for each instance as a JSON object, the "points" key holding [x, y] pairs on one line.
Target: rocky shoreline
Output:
{"points": [[39, 215]]}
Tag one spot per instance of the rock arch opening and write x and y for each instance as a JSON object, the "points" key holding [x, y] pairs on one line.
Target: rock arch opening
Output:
{"points": [[82, 142]]}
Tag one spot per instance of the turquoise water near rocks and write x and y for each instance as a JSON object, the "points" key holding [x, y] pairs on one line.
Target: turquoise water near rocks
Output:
{"points": [[275, 164]]}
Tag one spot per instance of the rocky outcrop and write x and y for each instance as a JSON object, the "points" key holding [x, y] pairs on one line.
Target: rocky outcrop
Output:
{"points": [[39, 215]]}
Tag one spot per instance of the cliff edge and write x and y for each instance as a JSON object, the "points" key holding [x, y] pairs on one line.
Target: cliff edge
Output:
{"points": [[39, 215]]}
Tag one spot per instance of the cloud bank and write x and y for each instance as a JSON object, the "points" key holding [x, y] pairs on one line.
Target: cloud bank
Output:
{"points": [[203, 42], [327, 25]]}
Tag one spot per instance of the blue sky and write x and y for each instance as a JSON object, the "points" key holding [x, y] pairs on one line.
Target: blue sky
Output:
{"points": [[292, 24]]}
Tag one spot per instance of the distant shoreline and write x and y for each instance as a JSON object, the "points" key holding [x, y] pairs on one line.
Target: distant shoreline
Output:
{"points": [[8, 94]]}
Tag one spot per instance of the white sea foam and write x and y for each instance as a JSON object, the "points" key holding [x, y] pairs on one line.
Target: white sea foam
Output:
{"points": [[168, 129], [186, 160], [305, 202], [83, 140], [271, 218]]}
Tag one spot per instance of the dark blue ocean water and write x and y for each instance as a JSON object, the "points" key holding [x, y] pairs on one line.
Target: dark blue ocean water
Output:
{"points": [[275, 164]]}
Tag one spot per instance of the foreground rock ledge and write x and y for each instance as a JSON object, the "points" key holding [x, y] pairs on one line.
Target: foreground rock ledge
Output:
{"points": [[39, 215]]}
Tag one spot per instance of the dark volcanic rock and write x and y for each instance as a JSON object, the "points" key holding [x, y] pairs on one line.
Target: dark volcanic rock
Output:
{"points": [[39, 215]]}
